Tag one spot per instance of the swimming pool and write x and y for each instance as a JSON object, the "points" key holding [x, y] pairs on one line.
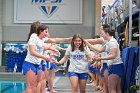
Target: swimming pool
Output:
{"points": [[8, 85], [15, 82]]}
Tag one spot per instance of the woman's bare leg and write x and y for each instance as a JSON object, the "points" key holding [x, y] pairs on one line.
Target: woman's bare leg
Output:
{"points": [[31, 82]]}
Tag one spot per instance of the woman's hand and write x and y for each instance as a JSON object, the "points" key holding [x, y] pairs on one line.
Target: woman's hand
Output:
{"points": [[53, 60], [59, 63], [95, 64]]}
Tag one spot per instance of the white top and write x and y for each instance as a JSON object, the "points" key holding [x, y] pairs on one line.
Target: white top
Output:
{"points": [[34, 35], [113, 44], [105, 53], [102, 54], [39, 43], [78, 60], [46, 53], [96, 46]]}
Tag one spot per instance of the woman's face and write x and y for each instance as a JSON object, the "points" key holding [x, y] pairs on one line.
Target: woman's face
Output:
{"points": [[44, 33], [77, 42]]}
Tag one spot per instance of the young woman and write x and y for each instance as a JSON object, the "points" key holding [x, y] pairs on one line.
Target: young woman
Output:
{"points": [[51, 67], [104, 74], [79, 55], [33, 59], [94, 70], [116, 68]]}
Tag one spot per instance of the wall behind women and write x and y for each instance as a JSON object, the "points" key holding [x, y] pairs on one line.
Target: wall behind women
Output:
{"points": [[19, 32]]}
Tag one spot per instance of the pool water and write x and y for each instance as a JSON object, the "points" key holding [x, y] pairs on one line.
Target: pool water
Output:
{"points": [[12, 86]]}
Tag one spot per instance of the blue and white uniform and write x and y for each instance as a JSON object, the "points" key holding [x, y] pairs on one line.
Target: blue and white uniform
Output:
{"points": [[104, 63], [94, 69], [116, 65], [78, 62], [33, 62], [49, 65]]}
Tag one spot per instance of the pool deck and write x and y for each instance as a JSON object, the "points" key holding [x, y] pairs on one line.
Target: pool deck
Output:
{"points": [[11, 75], [62, 83]]}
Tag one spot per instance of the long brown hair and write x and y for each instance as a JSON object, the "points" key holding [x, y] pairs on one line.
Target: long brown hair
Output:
{"points": [[33, 28], [81, 48]]}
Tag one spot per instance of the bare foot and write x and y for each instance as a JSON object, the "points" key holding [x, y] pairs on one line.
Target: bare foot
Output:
{"points": [[53, 91], [101, 90]]}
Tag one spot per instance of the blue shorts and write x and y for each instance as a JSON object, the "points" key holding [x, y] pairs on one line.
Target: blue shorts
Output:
{"points": [[91, 68], [26, 66], [51, 65], [42, 65], [81, 76], [117, 69], [104, 68], [97, 70]]}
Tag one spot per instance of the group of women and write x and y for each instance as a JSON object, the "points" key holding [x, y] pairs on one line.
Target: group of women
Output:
{"points": [[33, 67], [115, 64], [79, 54]]}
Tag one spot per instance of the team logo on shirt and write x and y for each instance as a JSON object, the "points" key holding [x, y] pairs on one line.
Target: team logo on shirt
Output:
{"points": [[77, 57], [49, 7]]}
